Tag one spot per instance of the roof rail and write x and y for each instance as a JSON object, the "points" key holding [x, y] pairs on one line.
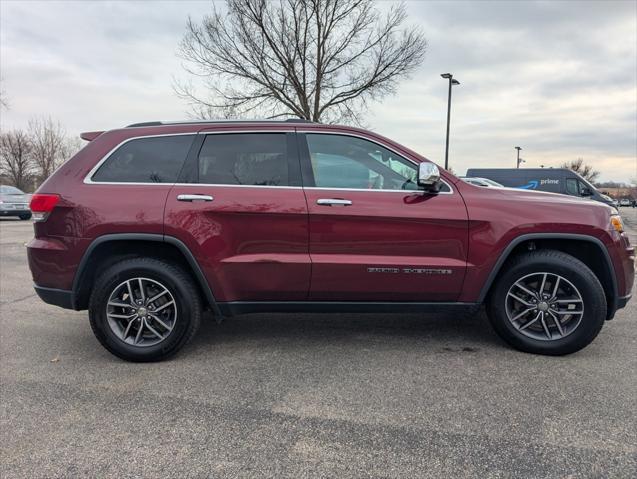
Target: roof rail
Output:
{"points": [[146, 123], [185, 122]]}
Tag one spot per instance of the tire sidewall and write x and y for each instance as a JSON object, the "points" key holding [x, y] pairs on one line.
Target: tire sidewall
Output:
{"points": [[185, 306], [580, 276]]}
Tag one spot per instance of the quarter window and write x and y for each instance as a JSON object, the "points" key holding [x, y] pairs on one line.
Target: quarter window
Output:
{"points": [[259, 159], [146, 160], [340, 161]]}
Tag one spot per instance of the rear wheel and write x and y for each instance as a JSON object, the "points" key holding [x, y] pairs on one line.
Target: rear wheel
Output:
{"points": [[547, 302], [144, 309]]}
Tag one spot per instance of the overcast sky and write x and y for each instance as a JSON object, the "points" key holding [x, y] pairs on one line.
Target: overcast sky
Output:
{"points": [[557, 78]]}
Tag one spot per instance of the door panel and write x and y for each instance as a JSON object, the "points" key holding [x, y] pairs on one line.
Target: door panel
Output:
{"points": [[373, 234], [251, 242], [244, 215], [387, 246]]}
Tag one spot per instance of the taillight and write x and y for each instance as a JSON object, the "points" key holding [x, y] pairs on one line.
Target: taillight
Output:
{"points": [[42, 204]]}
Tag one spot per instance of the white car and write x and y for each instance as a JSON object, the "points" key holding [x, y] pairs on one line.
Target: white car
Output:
{"points": [[485, 182], [14, 202], [625, 202]]}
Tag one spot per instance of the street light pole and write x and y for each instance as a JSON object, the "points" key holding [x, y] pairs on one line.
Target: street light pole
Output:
{"points": [[518, 162], [452, 82]]}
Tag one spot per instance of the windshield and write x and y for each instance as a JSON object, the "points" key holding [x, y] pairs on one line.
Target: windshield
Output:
{"points": [[10, 190]]}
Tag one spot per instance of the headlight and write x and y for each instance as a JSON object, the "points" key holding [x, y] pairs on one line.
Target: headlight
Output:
{"points": [[617, 223]]}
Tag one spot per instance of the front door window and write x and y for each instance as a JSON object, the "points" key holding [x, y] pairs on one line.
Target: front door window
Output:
{"points": [[340, 161]]}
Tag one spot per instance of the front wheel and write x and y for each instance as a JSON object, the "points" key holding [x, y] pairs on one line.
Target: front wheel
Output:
{"points": [[144, 309], [25, 216], [547, 302]]}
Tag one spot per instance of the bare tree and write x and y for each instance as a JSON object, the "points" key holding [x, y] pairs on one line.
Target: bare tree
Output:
{"points": [[50, 145], [585, 171], [15, 158], [322, 60], [4, 103]]}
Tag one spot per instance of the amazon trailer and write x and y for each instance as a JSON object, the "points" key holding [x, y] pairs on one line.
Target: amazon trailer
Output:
{"points": [[554, 180]]}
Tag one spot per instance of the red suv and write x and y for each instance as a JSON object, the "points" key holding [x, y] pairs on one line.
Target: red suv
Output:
{"points": [[151, 224]]}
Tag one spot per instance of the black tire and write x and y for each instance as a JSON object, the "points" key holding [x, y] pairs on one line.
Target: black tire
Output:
{"points": [[26, 216], [174, 279], [557, 263]]}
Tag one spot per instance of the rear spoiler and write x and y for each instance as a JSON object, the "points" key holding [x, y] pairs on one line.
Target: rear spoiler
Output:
{"points": [[90, 135]]}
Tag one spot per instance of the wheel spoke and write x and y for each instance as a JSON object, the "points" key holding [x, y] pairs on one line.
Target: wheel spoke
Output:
{"points": [[119, 304], [157, 296], [566, 313], [517, 298], [152, 330], [557, 284], [543, 284], [139, 331], [131, 298], [556, 320], [546, 328], [130, 323], [521, 314], [568, 301], [156, 318], [121, 316], [526, 290], [141, 289], [163, 306], [526, 325]]}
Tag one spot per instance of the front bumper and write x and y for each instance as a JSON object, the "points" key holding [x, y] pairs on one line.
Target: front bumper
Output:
{"points": [[57, 297], [622, 301]]}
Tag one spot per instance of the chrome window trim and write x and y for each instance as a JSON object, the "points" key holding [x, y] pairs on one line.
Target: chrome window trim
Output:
{"points": [[324, 188], [219, 185], [89, 181], [88, 178], [324, 132]]}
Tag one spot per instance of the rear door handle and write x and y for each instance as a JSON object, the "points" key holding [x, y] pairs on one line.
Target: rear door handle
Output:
{"points": [[194, 198], [333, 202]]}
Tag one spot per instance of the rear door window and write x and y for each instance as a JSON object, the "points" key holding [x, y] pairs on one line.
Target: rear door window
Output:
{"points": [[251, 159], [146, 160]]}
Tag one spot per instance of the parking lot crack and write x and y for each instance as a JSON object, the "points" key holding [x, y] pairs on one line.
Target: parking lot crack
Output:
{"points": [[13, 301]]}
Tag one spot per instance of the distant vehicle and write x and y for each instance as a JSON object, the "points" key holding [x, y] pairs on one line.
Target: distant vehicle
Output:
{"points": [[614, 202], [14, 202], [554, 180], [625, 202], [484, 182]]}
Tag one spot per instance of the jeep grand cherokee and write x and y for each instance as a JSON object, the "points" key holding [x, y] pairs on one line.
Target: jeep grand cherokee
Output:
{"points": [[149, 225]]}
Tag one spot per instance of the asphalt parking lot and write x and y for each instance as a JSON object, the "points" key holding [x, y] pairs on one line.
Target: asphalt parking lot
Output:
{"points": [[308, 396]]}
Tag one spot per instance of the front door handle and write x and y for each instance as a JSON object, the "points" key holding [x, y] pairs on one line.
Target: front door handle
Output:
{"points": [[194, 198], [333, 202]]}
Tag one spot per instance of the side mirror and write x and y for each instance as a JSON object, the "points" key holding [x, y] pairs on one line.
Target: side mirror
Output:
{"points": [[586, 191], [429, 177]]}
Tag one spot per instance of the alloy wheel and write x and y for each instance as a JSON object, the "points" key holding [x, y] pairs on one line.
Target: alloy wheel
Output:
{"points": [[544, 306], [141, 312]]}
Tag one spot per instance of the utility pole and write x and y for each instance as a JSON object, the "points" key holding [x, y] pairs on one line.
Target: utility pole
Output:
{"points": [[452, 82], [520, 160]]}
